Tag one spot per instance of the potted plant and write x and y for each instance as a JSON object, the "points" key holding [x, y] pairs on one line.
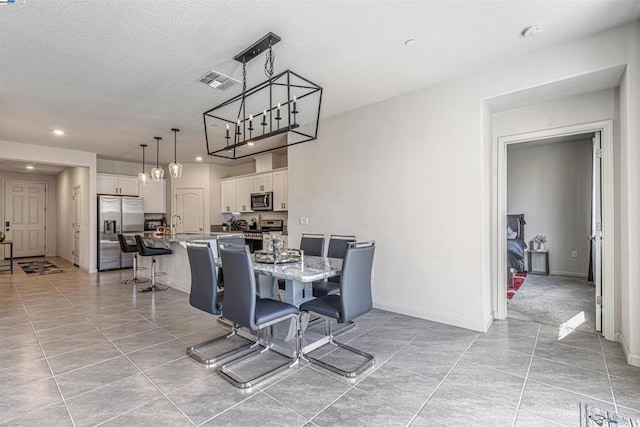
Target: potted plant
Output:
{"points": [[540, 240]]}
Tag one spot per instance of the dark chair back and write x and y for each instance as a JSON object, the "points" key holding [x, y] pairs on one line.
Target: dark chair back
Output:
{"points": [[239, 285], [312, 244], [125, 246], [337, 248], [338, 245], [355, 283], [204, 282], [145, 250]]}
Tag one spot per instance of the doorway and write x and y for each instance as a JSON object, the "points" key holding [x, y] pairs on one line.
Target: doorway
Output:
{"points": [[550, 183], [605, 233], [190, 208], [25, 217]]}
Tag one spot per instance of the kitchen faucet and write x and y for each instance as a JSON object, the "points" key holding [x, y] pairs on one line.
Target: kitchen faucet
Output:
{"points": [[174, 224]]}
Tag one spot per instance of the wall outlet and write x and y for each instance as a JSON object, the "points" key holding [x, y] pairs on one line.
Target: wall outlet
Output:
{"points": [[304, 220], [574, 254]]}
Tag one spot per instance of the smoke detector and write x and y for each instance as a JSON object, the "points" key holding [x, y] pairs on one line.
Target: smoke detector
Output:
{"points": [[217, 80]]}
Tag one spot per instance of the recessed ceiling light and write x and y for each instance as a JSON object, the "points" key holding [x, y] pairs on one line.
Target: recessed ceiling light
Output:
{"points": [[410, 42], [250, 144], [532, 30], [58, 132], [30, 167], [198, 159]]}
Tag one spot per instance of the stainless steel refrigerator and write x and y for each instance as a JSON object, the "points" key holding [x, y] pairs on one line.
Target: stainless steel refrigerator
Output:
{"points": [[117, 214]]}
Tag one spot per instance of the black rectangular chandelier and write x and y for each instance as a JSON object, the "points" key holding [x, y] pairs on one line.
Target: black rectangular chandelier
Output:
{"points": [[282, 111]]}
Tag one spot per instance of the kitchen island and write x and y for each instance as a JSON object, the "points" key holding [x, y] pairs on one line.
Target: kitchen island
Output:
{"points": [[176, 265]]}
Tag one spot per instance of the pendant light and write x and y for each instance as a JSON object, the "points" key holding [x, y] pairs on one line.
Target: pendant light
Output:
{"points": [[175, 168], [143, 177], [157, 173]]}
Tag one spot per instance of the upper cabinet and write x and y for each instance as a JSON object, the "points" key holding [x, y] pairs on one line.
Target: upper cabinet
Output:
{"points": [[236, 192], [155, 196], [229, 196], [243, 191], [263, 182], [281, 190], [116, 184]]}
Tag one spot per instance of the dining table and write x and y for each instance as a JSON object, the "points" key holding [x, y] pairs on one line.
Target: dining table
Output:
{"points": [[299, 277]]}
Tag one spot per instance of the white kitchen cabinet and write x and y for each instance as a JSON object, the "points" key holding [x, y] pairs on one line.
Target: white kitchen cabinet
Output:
{"points": [[116, 184], [263, 183], [155, 196], [243, 191], [281, 190], [229, 196]]}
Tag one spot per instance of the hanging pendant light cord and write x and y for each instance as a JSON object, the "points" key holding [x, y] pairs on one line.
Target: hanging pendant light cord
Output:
{"points": [[143, 159], [175, 146], [157, 152]]}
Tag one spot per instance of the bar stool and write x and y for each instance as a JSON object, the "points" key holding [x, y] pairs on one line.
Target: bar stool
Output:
{"points": [[125, 247], [145, 250]]}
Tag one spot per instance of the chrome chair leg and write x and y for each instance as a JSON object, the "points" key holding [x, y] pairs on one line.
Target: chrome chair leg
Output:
{"points": [[194, 351], [369, 359], [135, 278], [154, 287]]}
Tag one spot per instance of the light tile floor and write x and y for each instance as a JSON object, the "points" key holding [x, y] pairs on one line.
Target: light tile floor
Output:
{"points": [[84, 350]]}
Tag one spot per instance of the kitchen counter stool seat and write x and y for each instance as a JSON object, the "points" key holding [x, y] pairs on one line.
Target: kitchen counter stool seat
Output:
{"points": [[125, 247], [153, 252]]}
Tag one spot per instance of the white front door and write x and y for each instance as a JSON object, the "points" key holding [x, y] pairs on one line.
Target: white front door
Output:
{"points": [[596, 227], [76, 225], [190, 207], [25, 217]]}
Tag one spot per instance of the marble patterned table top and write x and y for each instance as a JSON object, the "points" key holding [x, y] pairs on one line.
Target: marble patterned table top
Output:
{"points": [[314, 269]]}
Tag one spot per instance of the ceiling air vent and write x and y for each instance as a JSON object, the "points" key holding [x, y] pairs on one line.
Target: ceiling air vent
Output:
{"points": [[218, 80]]}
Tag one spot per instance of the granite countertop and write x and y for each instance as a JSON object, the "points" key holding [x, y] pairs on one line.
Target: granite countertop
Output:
{"points": [[183, 237]]}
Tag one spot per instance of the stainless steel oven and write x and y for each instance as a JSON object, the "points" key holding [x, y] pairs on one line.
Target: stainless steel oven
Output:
{"points": [[262, 201]]}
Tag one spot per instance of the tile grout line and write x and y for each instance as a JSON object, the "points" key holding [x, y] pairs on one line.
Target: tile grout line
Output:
{"points": [[148, 379], [526, 378], [443, 379], [606, 366], [64, 402]]}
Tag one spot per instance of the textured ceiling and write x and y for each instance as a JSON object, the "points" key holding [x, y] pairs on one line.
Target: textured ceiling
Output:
{"points": [[113, 74]]}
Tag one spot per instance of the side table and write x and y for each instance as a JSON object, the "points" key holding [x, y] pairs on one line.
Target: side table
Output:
{"points": [[9, 267], [544, 252]]}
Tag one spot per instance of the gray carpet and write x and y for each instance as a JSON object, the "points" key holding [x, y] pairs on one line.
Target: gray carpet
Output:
{"points": [[554, 300]]}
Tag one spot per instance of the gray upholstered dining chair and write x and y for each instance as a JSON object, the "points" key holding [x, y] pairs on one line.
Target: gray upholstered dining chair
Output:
{"points": [[242, 307], [234, 240], [312, 244], [205, 296], [353, 301], [337, 248]]}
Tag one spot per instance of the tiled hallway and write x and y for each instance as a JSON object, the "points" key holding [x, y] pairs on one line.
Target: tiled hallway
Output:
{"points": [[84, 350]]}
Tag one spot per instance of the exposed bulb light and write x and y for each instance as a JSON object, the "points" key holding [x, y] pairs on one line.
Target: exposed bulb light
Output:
{"points": [[157, 173], [532, 30], [58, 132], [143, 177], [175, 168]]}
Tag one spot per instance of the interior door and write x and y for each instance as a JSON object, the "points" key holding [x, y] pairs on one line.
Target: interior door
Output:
{"points": [[596, 227], [76, 225], [25, 210], [190, 207]]}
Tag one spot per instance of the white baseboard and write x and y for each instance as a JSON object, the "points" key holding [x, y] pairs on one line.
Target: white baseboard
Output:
{"points": [[632, 359], [453, 321]]}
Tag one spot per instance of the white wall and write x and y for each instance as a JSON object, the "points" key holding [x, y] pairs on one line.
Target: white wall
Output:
{"points": [[50, 218], [57, 156], [415, 174], [66, 181], [551, 185], [123, 168]]}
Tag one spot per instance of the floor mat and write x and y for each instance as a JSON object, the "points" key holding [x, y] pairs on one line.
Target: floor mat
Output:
{"points": [[518, 281], [39, 268], [596, 417]]}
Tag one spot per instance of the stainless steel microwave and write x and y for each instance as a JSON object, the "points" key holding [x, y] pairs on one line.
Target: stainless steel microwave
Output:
{"points": [[262, 201]]}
